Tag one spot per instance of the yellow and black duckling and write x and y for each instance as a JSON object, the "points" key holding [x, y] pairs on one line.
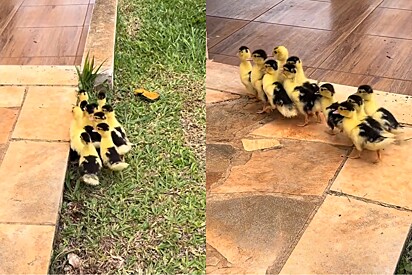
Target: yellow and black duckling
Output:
{"points": [[271, 76], [245, 70], [300, 74], [306, 96], [281, 54], [82, 95], [283, 103], [307, 100], [382, 115], [101, 100], [76, 128], [90, 163], [122, 142], [358, 104], [258, 71], [110, 156], [329, 106], [361, 133]]}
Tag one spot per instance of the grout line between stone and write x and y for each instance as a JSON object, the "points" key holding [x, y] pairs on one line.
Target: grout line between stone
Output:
{"points": [[40, 140], [384, 204], [24, 223]]}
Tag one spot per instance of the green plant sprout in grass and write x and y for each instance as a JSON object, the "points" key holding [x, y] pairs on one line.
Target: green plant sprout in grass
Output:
{"points": [[88, 76]]}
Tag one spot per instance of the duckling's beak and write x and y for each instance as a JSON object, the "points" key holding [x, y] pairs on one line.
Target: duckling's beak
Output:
{"points": [[336, 112], [249, 59]]}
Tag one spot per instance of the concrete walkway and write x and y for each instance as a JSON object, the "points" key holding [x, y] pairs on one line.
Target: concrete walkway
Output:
{"points": [[35, 106], [286, 200]]}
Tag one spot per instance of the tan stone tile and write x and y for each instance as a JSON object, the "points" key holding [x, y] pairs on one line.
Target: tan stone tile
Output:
{"points": [[11, 96], [54, 2], [253, 232], [32, 178], [350, 237], [46, 60], [299, 168], [213, 96], [259, 144], [287, 128], [8, 118], [46, 113], [224, 77], [390, 182], [38, 75], [25, 249]]}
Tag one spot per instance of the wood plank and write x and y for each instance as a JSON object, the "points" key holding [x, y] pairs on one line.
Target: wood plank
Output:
{"points": [[220, 28], [239, 9]]}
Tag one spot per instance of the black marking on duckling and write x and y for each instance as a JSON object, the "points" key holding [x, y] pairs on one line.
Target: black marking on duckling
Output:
{"points": [[113, 155], [101, 95], [119, 129], [365, 89], [260, 53], [329, 87], [90, 108], [243, 48], [83, 105], [289, 68], [117, 140], [272, 63], [73, 156], [109, 108], [357, 99], [281, 96], [250, 76], [94, 135], [90, 165], [390, 121], [369, 133], [293, 60], [307, 97], [100, 115], [334, 119]]}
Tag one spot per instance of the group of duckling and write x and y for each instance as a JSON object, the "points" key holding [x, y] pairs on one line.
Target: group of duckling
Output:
{"points": [[280, 83], [97, 138]]}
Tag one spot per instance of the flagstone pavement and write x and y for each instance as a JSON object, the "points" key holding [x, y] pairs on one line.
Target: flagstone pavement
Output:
{"points": [[283, 199]]}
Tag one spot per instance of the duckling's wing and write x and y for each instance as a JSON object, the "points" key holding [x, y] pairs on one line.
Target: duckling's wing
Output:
{"points": [[369, 133], [250, 76], [389, 117]]}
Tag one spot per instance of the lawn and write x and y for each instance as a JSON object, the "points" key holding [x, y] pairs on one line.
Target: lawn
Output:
{"points": [[149, 218]]}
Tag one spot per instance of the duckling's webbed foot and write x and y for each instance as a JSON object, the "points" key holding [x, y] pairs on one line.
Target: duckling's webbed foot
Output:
{"points": [[306, 121], [356, 156], [331, 132], [266, 109], [379, 159], [318, 118]]}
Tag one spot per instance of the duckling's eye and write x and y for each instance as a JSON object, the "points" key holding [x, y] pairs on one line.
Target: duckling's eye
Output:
{"points": [[276, 52]]}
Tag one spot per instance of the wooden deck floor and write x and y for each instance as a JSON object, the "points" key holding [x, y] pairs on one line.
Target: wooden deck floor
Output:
{"points": [[348, 42]]}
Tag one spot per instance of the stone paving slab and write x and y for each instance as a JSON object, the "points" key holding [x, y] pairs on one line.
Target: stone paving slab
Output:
{"points": [[38, 75], [224, 77], [299, 168], [11, 96], [7, 119], [31, 179], [287, 128], [213, 96], [25, 249], [49, 106], [347, 236], [253, 232], [387, 182], [260, 144]]}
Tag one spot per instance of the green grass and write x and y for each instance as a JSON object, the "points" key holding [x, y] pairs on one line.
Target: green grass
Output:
{"points": [[149, 218]]}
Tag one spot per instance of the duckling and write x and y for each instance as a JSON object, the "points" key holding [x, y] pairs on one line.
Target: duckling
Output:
{"points": [[76, 128], [90, 163], [307, 101], [245, 70], [82, 95], [361, 133], [119, 134], [282, 101], [88, 112], [271, 76], [111, 158], [382, 115], [101, 100], [289, 83], [281, 54], [329, 106], [300, 74], [256, 76]]}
